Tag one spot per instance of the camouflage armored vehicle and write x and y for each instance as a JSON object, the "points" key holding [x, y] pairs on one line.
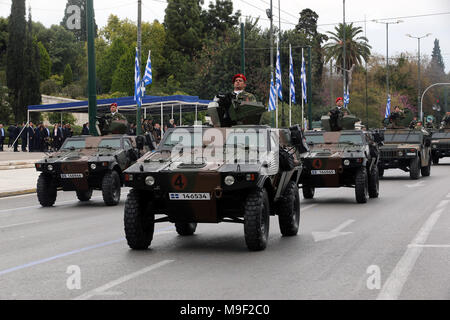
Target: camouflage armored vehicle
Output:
{"points": [[86, 163], [243, 174], [341, 158], [440, 144], [408, 150]]}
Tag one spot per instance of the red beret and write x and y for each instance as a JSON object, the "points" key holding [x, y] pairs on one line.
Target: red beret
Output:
{"points": [[340, 98], [240, 75], [113, 104]]}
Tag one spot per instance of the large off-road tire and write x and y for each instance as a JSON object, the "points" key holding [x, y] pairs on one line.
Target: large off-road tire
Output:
{"points": [[289, 210], [138, 221], [111, 188], [435, 159], [361, 186], [374, 183], [414, 168], [380, 172], [308, 192], [46, 190], [84, 195], [186, 228], [257, 220], [425, 171]]}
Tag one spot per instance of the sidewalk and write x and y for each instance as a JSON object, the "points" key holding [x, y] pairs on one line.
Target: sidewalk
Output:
{"points": [[17, 172]]}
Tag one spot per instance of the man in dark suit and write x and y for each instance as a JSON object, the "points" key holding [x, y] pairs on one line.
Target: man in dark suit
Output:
{"points": [[24, 137], [2, 136], [16, 135], [57, 136], [46, 134], [31, 137], [10, 135], [36, 139]]}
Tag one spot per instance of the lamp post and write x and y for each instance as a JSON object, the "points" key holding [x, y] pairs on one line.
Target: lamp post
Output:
{"points": [[387, 50], [418, 66]]}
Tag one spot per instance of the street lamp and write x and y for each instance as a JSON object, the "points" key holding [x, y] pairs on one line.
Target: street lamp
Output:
{"points": [[418, 66], [387, 49]]}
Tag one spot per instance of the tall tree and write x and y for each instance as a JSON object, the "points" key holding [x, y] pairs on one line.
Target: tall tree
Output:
{"points": [[68, 75], [357, 47], [31, 87], [437, 63], [75, 19], [15, 56], [46, 63], [219, 19], [123, 78], [3, 41]]}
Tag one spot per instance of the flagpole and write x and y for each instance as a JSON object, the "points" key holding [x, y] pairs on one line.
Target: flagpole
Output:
{"points": [[277, 103], [303, 99], [290, 91]]}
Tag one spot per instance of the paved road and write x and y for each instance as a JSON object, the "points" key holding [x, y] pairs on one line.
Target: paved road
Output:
{"points": [[342, 250]]}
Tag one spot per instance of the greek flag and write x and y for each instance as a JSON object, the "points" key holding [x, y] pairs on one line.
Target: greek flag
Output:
{"points": [[388, 108], [137, 81], [272, 105], [346, 99], [291, 75], [148, 78], [303, 79], [278, 76]]}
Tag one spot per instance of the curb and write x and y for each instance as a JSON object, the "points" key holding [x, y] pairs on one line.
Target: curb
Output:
{"points": [[14, 167], [16, 193]]}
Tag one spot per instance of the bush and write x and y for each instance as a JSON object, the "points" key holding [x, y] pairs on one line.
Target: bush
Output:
{"points": [[50, 87], [74, 91]]}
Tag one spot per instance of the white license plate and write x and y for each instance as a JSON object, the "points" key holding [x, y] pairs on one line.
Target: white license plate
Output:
{"points": [[189, 196], [71, 175], [410, 154], [322, 172]]}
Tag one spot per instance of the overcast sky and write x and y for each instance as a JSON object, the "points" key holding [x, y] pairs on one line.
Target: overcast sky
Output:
{"points": [[51, 12]]}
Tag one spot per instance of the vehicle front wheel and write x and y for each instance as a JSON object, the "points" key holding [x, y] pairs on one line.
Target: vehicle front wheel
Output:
{"points": [[361, 186], [374, 183], [111, 188], [185, 228], [435, 159], [84, 195], [289, 210], [425, 171], [46, 190], [138, 221], [308, 192], [414, 168], [257, 220]]}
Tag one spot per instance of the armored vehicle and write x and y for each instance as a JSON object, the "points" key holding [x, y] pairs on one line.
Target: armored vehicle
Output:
{"points": [[86, 163], [346, 158], [200, 174], [406, 149], [440, 144]]}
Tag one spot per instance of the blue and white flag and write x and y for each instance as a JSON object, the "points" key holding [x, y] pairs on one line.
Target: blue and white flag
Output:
{"points": [[137, 81], [346, 99], [291, 75], [303, 79], [272, 104], [148, 76], [388, 108], [278, 76]]}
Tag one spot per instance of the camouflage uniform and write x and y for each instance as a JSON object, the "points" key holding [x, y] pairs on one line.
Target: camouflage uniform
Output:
{"points": [[115, 124], [394, 119], [245, 96], [446, 121]]}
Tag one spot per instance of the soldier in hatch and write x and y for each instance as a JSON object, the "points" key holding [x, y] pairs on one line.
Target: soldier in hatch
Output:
{"points": [[395, 117]]}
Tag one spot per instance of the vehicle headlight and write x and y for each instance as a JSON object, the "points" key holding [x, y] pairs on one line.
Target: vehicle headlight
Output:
{"points": [[434, 146], [93, 166], [346, 162], [150, 181], [400, 153], [229, 180], [50, 167]]}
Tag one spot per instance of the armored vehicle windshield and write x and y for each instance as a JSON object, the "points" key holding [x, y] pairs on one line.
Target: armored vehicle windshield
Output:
{"points": [[317, 138], [71, 143], [402, 138], [441, 135]]}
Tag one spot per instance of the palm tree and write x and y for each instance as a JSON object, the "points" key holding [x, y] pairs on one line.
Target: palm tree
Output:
{"points": [[356, 46]]}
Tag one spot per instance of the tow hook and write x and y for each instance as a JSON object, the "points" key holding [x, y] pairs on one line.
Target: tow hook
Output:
{"points": [[218, 192]]}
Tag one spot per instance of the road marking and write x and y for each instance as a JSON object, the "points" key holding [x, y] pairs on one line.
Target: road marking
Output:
{"points": [[336, 232], [19, 224], [416, 185], [101, 290], [69, 253], [429, 246], [307, 207], [394, 284], [39, 206]]}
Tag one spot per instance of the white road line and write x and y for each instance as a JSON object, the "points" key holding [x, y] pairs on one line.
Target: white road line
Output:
{"points": [[429, 246], [307, 207], [394, 284], [101, 290], [19, 224]]}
